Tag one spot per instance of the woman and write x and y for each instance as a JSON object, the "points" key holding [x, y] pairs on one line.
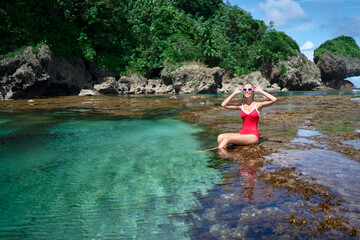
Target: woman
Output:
{"points": [[250, 113]]}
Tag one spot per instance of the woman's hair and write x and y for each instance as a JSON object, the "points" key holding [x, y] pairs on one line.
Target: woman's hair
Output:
{"points": [[243, 98]]}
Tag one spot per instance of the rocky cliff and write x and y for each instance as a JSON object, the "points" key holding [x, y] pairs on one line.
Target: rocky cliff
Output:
{"points": [[296, 73], [43, 74], [334, 69]]}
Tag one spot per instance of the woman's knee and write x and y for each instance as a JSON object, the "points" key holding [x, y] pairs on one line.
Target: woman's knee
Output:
{"points": [[221, 137]]}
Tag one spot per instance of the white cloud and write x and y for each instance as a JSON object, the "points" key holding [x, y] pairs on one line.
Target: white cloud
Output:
{"points": [[308, 49], [283, 12], [309, 55], [305, 26], [307, 46]]}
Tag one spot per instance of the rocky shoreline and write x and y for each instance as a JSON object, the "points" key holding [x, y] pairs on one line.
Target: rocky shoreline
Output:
{"points": [[42, 74]]}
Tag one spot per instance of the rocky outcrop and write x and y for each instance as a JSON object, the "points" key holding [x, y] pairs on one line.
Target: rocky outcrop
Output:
{"points": [[191, 79], [256, 78], [334, 69], [109, 86], [194, 79], [41, 74], [296, 73]]}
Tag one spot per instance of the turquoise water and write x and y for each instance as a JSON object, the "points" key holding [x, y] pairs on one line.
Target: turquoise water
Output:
{"points": [[96, 178]]}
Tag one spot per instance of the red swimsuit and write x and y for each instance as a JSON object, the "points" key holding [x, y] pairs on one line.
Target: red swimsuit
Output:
{"points": [[251, 120]]}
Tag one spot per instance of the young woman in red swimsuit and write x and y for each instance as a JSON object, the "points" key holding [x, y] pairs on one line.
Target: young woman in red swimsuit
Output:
{"points": [[250, 113]]}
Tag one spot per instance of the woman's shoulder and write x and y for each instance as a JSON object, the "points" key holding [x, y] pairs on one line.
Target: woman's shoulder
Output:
{"points": [[262, 104]]}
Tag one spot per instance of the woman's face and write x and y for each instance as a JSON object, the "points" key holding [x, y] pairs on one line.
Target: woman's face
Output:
{"points": [[248, 90]]}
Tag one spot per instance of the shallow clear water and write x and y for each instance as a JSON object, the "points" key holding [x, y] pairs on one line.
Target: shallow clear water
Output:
{"points": [[81, 173], [338, 172], [89, 177]]}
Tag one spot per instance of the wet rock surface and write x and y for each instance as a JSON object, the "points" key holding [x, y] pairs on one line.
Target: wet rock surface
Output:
{"points": [[319, 204]]}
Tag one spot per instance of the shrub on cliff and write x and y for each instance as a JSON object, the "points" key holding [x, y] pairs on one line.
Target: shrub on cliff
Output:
{"points": [[343, 46]]}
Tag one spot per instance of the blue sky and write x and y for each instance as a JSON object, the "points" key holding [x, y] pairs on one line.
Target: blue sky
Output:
{"points": [[309, 22]]}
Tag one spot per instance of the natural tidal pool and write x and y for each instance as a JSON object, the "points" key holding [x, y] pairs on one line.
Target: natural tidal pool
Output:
{"points": [[127, 167], [91, 177]]}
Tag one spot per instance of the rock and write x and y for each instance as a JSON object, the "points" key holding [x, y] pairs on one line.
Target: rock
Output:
{"points": [[331, 67], [41, 74], [334, 69], [123, 88], [352, 66], [156, 86], [193, 79], [109, 86], [230, 84], [136, 83], [255, 78], [296, 73], [87, 92], [274, 88]]}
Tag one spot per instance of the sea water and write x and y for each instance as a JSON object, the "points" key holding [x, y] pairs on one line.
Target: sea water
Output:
{"points": [[90, 177]]}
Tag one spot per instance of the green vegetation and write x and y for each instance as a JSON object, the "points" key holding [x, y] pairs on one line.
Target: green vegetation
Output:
{"points": [[283, 70], [343, 46], [336, 128], [143, 36]]}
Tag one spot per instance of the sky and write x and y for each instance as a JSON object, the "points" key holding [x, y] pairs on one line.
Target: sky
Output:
{"points": [[309, 22]]}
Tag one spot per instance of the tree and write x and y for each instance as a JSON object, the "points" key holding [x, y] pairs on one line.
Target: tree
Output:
{"points": [[205, 8], [342, 45]]}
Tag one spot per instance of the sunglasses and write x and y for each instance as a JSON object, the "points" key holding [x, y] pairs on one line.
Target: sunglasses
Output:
{"points": [[248, 89]]}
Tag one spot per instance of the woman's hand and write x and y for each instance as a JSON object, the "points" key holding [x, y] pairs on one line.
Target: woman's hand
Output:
{"points": [[257, 89], [238, 90]]}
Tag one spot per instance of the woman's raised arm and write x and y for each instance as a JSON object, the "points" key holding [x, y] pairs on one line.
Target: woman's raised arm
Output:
{"points": [[271, 98], [226, 102]]}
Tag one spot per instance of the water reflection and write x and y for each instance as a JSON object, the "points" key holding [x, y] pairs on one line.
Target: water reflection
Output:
{"points": [[246, 169], [261, 199]]}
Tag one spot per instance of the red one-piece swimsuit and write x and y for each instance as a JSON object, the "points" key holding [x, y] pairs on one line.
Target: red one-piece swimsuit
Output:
{"points": [[250, 121]]}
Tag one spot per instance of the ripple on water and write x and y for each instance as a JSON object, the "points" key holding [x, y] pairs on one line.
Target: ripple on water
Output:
{"points": [[355, 99], [103, 179], [303, 137], [355, 143], [311, 132]]}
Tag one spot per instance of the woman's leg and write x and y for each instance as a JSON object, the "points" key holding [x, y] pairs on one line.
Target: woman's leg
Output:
{"points": [[236, 138], [220, 138]]}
